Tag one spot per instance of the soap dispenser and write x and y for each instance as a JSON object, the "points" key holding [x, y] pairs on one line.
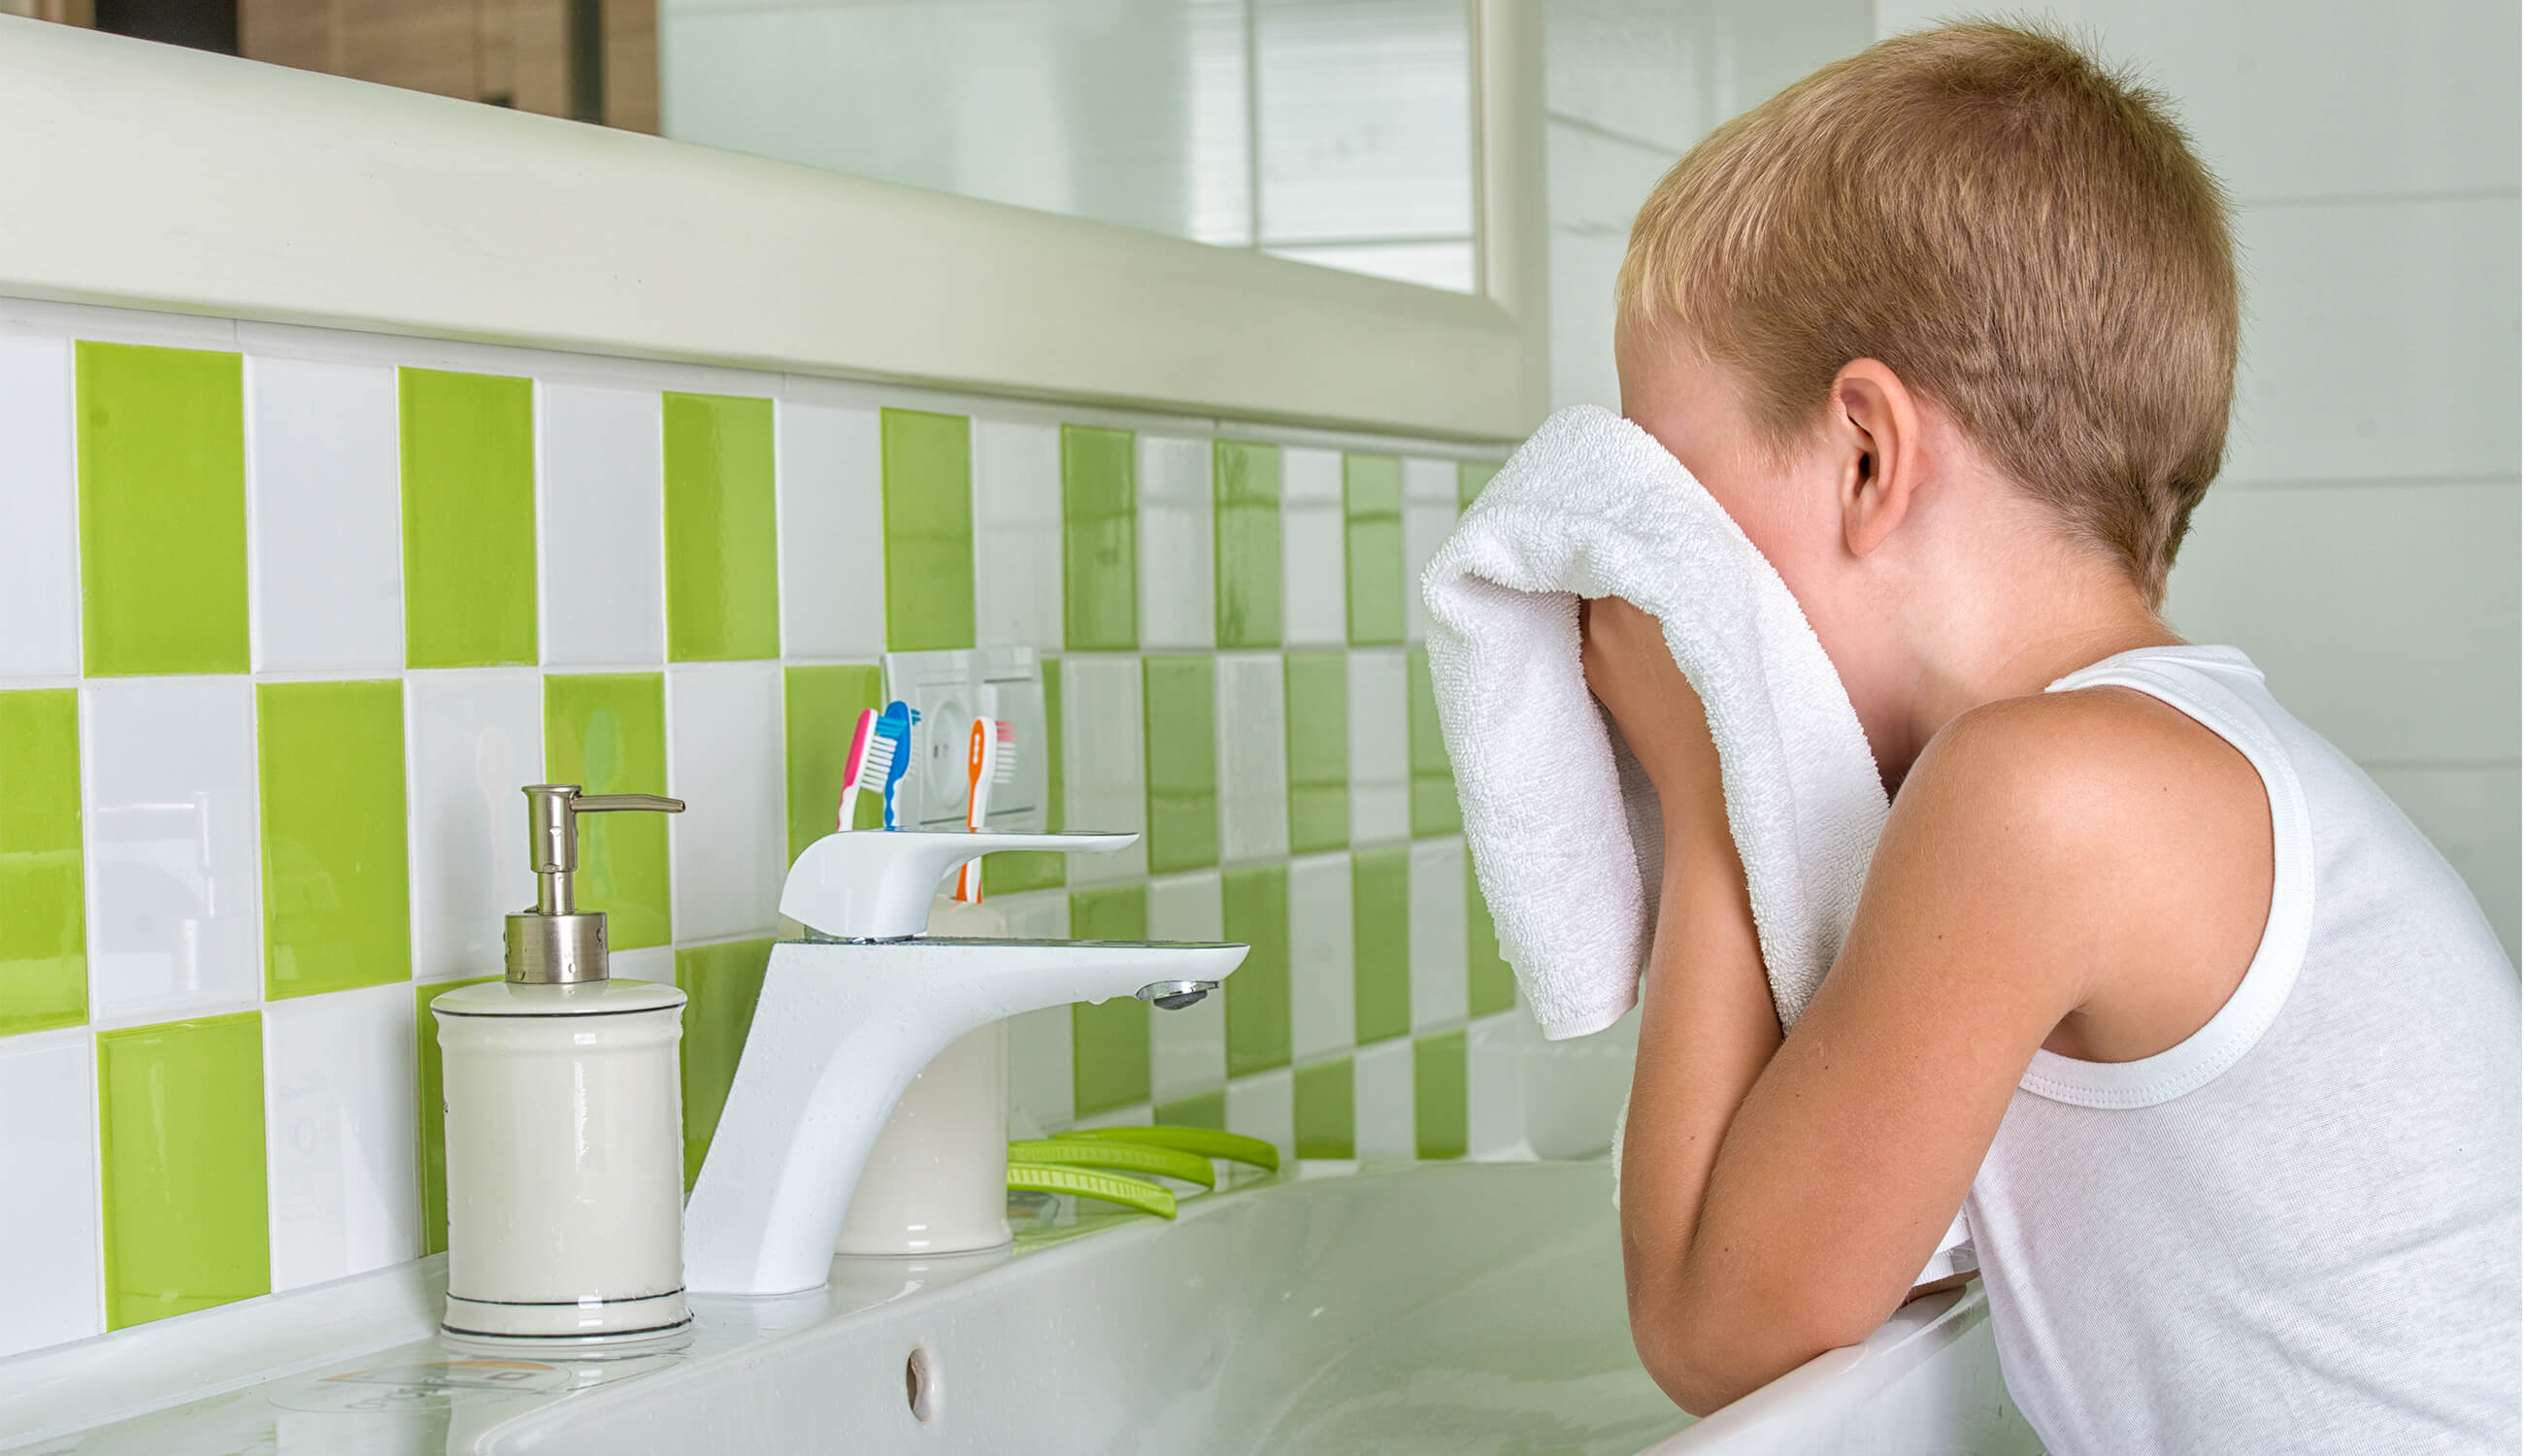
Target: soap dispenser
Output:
{"points": [[564, 1119]]}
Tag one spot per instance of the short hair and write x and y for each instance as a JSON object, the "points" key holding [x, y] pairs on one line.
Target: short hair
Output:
{"points": [[2020, 233]]}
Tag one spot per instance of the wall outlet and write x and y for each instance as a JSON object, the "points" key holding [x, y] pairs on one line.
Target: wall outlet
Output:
{"points": [[950, 689]]}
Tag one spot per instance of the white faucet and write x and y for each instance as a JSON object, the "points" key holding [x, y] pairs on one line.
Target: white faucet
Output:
{"points": [[851, 1013]]}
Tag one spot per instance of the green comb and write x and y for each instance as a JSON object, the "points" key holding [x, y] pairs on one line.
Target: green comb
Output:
{"points": [[1098, 1152], [1208, 1142], [1088, 1182]]}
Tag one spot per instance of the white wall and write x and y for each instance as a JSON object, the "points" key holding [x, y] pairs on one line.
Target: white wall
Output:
{"points": [[1629, 86], [2362, 542]]}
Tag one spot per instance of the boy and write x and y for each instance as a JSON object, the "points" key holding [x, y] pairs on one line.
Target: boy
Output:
{"points": [[2217, 1053]]}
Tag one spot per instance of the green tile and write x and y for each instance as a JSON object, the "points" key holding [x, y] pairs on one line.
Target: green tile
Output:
{"points": [[1372, 502], [43, 915], [1470, 477], [1109, 1042], [1009, 874], [820, 707], [336, 887], [1247, 478], [1434, 806], [1100, 541], [1318, 733], [179, 1112], [162, 509], [725, 982], [928, 530], [468, 519], [1199, 1111], [606, 733], [1256, 903], [1326, 1097], [1180, 697], [722, 545], [433, 1113], [1490, 985], [1438, 1095], [1380, 941]]}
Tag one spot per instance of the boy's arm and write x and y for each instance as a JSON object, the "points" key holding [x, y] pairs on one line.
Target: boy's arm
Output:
{"points": [[1778, 1197]]}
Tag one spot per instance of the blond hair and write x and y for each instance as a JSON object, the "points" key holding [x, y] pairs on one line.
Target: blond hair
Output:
{"points": [[2019, 233]]}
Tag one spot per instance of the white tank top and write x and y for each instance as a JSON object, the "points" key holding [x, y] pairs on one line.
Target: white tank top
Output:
{"points": [[2297, 1231]]}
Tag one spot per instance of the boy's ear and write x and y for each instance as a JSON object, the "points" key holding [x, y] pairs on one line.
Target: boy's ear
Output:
{"points": [[1876, 426]]}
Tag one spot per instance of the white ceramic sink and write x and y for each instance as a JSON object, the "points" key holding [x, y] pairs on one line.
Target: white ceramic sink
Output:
{"points": [[1434, 1308]]}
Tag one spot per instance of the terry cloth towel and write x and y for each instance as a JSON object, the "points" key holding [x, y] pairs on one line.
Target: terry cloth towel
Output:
{"points": [[1563, 826]]}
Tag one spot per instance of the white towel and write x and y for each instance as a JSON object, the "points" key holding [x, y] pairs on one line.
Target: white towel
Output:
{"points": [[1563, 826]]}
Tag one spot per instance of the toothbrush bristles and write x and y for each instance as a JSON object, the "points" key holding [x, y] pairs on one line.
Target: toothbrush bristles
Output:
{"points": [[1005, 769]]}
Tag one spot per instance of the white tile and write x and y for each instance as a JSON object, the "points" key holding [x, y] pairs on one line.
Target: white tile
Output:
{"points": [[39, 562], [1384, 1104], [2386, 617], [725, 764], [1252, 757], [2379, 342], [1438, 962], [2470, 812], [603, 525], [173, 877], [2299, 100], [1323, 1007], [1016, 534], [1105, 779], [338, 1090], [1380, 747], [1187, 1049], [51, 1258], [1428, 517], [1041, 1072], [832, 531], [1595, 181], [1494, 1087], [1583, 268], [476, 736], [1313, 581], [654, 964], [1667, 72], [1266, 1107], [1178, 556], [324, 468]]}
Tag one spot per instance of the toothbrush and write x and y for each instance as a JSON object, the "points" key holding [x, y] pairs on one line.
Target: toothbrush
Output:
{"points": [[990, 760], [894, 730], [870, 757]]}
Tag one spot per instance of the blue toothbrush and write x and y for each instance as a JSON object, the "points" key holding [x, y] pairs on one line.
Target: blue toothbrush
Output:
{"points": [[893, 727]]}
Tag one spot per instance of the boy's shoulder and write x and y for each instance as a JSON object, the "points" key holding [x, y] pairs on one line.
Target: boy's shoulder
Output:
{"points": [[2087, 761], [2113, 827]]}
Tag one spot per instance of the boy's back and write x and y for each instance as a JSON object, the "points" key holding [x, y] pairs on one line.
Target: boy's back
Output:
{"points": [[2344, 1097]]}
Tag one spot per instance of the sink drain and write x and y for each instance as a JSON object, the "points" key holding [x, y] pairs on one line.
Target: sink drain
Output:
{"points": [[920, 1385]]}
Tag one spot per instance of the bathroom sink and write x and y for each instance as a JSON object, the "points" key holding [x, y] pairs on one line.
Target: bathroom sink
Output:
{"points": [[1458, 1308], [1436, 1307]]}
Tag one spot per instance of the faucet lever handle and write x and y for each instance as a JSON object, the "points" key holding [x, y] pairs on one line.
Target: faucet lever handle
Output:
{"points": [[876, 885]]}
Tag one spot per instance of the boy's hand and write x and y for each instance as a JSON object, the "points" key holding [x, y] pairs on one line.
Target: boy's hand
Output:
{"points": [[1631, 671]]}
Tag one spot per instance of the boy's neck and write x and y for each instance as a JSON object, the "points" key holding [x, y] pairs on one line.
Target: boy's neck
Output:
{"points": [[2011, 637]]}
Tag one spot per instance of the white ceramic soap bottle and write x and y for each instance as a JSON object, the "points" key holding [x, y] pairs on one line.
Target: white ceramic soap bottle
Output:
{"points": [[565, 1119]]}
